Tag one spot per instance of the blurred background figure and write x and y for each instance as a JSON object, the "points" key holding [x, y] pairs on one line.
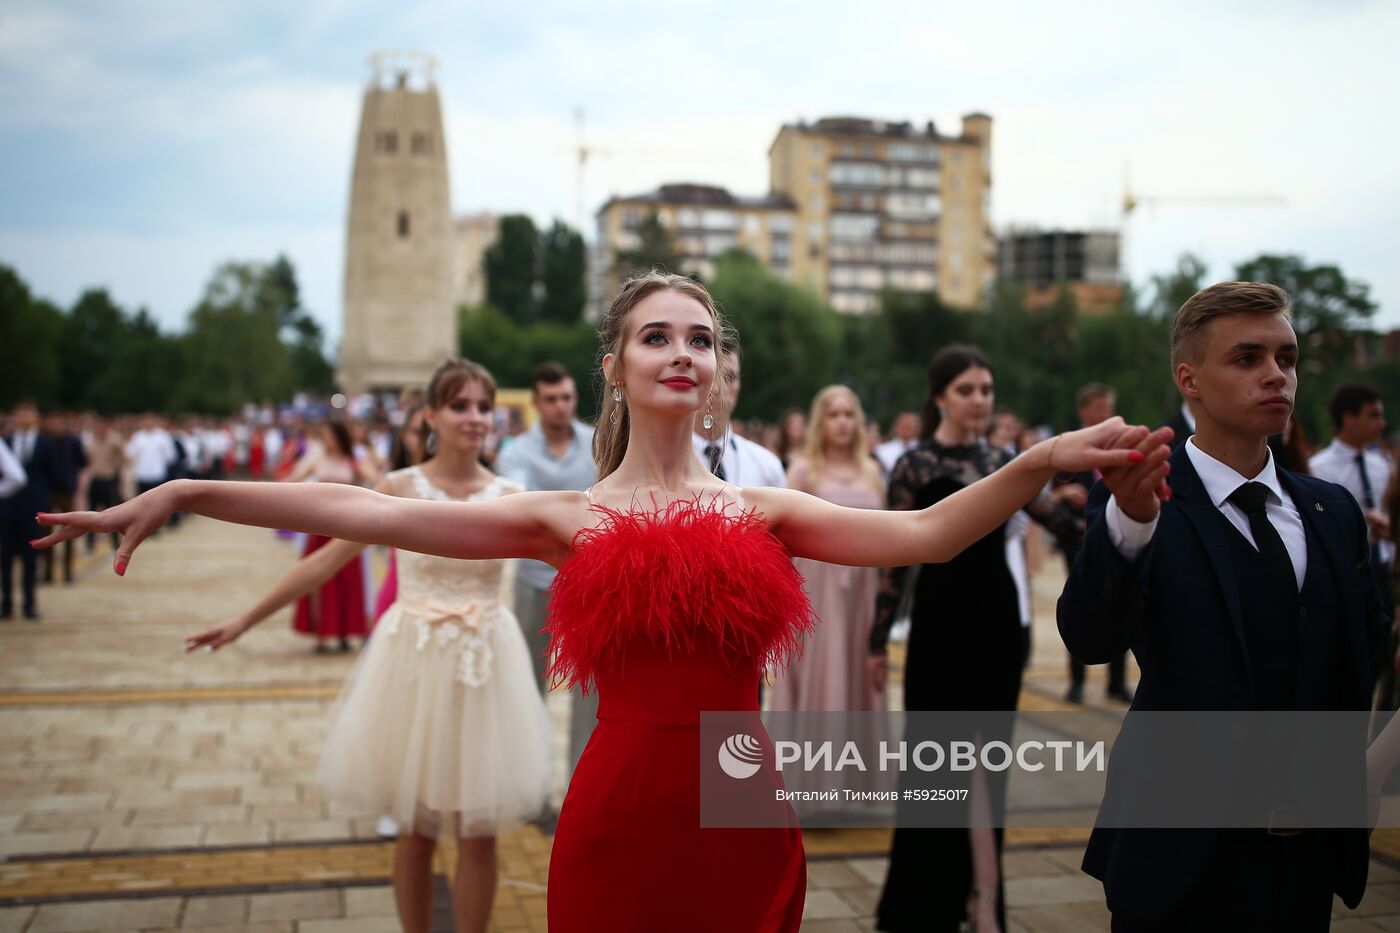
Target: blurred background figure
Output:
{"points": [[1093, 404], [557, 453], [904, 436], [792, 436], [39, 460], [71, 462], [336, 611], [832, 673], [106, 456]]}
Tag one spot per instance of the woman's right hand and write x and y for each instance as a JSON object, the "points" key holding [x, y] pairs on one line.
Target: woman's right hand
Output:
{"points": [[212, 639], [133, 520]]}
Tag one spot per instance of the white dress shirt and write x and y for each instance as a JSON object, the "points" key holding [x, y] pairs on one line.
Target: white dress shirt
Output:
{"points": [[1336, 463], [745, 463], [891, 450], [12, 475], [24, 443], [151, 452], [1220, 480]]}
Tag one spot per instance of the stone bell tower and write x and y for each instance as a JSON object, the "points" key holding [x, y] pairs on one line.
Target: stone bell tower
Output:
{"points": [[399, 322]]}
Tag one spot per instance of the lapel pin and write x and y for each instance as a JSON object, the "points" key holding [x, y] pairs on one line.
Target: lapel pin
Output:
{"points": [[1318, 506]]}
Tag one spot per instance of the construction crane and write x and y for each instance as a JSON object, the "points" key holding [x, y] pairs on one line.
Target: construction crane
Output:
{"points": [[1131, 202], [584, 151]]}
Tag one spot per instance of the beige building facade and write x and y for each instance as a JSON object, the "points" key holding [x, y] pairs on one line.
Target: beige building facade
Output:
{"points": [[704, 222], [887, 205], [472, 236], [399, 317]]}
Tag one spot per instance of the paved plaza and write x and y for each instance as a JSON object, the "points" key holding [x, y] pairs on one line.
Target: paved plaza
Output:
{"points": [[144, 789]]}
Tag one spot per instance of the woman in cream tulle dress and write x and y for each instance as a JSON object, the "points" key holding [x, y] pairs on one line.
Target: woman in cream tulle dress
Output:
{"points": [[440, 725]]}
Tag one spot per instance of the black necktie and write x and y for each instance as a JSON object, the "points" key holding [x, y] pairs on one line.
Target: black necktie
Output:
{"points": [[714, 456], [1368, 501], [1251, 497]]}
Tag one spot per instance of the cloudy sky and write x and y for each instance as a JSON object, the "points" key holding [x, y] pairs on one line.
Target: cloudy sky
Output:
{"points": [[142, 143]]}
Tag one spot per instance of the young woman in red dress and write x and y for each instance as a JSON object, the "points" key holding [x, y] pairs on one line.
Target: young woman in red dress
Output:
{"points": [[675, 589]]}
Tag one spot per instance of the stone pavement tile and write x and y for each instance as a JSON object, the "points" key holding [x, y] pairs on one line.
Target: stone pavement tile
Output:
{"points": [[214, 911], [52, 820], [59, 802], [863, 900], [1386, 922], [158, 816], [1088, 917], [147, 837], [310, 830], [1071, 859], [370, 902], [1030, 865], [132, 914], [1379, 899], [72, 840], [1354, 925], [186, 779], [832, 875], [271, 926], [237, 834], [1059, 889], [13, 919], [350, 925], [829, 926], [871, 869], [145, 796], [296, 905], [263, 793], [1381, 873], [826, 905], [286, 812], [9, 822]]}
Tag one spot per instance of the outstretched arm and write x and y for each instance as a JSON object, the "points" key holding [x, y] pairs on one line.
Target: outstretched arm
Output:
{"points": [[310, 572], [522, 525], [814, 528]]}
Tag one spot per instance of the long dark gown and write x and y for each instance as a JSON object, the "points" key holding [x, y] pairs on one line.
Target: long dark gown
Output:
{"points": [[966, 651]]}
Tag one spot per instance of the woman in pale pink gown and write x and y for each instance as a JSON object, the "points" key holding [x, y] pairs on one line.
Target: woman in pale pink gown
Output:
{"points": [[834, 464]]}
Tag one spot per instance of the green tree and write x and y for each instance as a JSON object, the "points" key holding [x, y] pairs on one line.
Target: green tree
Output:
{"points": [[232, 351], [95, 325], [1330, 311], [1170, 290], [655, 249], [790, 338], [31, 338], [511, 265], [563, 267]]}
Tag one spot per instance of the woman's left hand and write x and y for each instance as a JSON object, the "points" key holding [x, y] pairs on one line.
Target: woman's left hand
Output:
{"points": [[1107, 445]]}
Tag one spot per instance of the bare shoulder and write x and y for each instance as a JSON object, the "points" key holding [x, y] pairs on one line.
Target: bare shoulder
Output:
{"points": [[773, 502]]}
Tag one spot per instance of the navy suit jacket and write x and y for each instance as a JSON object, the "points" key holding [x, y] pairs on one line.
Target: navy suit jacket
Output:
{"points": [[44, 473], [1177, 606]]}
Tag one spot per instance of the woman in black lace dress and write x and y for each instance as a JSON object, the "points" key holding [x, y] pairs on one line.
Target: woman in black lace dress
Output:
{"points": [[966, 646]]}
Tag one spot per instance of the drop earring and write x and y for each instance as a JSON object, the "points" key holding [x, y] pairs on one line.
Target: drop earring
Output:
{"points": [[709, 420], [617, 392]]}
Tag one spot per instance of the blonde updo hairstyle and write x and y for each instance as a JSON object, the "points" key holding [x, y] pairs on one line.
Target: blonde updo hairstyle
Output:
{"points": [[614, 424]]}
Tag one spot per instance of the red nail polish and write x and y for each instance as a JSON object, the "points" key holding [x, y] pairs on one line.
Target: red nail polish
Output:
{"points": [[121, 568], [1136, 456]]}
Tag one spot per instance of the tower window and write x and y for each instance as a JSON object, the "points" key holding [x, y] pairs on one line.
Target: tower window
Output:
{"points": [[420, 144], [403, 225], [386, 141]]}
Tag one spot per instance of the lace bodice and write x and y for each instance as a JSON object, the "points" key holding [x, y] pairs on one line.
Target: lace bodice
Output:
{"points": [[450, 604]]}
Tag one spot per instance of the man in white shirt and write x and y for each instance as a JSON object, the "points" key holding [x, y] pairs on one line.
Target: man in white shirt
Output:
{"points": [[1240, 586], [1353, 461], [557, 453], [151, 452], [904, 436], [729, 456]]}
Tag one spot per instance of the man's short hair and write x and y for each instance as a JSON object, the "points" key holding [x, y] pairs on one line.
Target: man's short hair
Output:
{"points": [[549, 373], [1348, 399], [1220, 299], [1092, 392]]}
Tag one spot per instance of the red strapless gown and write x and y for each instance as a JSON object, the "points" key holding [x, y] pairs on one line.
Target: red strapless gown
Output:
{"points": [[668, 615]]}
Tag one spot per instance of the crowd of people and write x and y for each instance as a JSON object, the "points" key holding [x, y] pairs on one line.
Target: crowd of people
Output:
{"points": [[433, 723]]}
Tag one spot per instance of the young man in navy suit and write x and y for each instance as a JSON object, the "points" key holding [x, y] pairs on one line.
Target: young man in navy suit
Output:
{"points": [[1240, 586]]}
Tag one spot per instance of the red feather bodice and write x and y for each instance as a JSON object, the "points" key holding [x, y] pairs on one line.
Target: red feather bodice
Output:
{"points": [[686, 583]]}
